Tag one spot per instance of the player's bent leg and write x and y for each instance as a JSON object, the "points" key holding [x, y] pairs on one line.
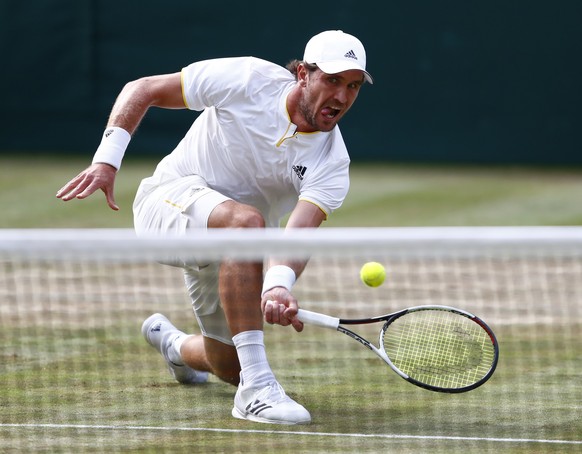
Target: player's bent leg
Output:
{"points": [[259, 396], [220, 359], [240, 282], [226, 301], [231, 214], [159, 332]]}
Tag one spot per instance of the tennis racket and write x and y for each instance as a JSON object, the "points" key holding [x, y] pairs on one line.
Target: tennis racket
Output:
{"points": [[439, 348]]}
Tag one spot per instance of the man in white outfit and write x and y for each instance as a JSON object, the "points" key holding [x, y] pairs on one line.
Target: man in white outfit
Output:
{"points": [[266, 144]]}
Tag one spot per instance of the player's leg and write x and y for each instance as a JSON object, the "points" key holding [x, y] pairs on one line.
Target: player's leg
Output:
{"points": [[191, 356], [173, 208], [240, 282], [226, 303], [205, 353], [259, 396], [161, 334]]}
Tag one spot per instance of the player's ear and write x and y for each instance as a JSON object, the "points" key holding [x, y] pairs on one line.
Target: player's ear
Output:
{"points": [[302, 74]]}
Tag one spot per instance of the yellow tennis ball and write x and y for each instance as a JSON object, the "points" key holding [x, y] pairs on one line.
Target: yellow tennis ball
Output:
{"points": [[373, 274]]}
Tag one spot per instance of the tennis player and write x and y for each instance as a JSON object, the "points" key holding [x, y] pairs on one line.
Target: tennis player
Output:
{"points": [[266, 144]]}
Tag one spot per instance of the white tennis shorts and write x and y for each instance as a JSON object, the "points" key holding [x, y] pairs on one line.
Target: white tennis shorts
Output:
{"points": [[175, 207]]}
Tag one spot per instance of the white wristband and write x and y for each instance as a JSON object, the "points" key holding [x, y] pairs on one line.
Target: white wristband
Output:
{"points": [[112, 147], [278, 276]]}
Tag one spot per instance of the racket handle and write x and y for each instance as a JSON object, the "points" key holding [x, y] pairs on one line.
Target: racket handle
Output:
{"points": [[315, 318]]}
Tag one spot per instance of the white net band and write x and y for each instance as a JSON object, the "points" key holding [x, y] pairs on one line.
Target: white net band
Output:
{"points": [[257, 243]]}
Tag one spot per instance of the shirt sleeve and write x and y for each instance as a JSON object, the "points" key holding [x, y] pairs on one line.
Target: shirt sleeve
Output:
{"points": [[328, 186], [213, 82]]}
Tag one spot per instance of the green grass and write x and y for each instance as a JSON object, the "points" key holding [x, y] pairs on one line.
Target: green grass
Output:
{"points": [[387, 195], [95, 390], [76, 376], [381, 195], [28, 194]]}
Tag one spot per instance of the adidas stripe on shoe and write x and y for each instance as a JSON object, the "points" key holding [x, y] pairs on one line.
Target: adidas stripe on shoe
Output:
{"points": [[268, 405]]}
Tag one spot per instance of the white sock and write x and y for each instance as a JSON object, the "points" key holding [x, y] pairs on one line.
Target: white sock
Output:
{"points": [[174, 354], [252, 356]]}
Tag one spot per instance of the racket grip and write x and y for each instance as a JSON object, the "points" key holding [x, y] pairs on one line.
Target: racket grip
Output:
{"points": [[317, 319]]}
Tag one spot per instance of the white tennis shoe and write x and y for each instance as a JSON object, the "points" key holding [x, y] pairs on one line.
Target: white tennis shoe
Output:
{"points": [[268, 405], [159, 332]]}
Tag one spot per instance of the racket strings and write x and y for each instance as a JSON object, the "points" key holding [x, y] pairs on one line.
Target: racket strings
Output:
{"points": [[439, 348]]}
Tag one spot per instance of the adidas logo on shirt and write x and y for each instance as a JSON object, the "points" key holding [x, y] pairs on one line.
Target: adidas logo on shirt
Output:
{"points": [[351, 54], [300, 171]]}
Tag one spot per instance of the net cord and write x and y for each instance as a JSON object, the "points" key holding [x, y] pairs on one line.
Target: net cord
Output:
{"points": [[257, 243]]}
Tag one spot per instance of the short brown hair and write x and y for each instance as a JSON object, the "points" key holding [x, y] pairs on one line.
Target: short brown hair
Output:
{"points": [[292, 66]]}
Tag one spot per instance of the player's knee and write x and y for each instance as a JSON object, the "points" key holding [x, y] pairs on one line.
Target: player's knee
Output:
{"points": [[231, 214], [248, 218]]}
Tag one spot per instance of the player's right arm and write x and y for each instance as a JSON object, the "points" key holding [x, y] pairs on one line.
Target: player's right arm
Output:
{"points": [[130, 107], [277, 302]]}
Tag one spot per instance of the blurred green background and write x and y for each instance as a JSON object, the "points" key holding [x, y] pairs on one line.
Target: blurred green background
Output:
{"points": [[455, 81], [473, 118], [381, 195]]}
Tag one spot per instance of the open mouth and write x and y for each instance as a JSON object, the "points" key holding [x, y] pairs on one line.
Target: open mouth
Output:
{"points": [[330, 112]]}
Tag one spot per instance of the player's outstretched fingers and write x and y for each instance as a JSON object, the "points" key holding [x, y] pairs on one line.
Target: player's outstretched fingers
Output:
{"points": [[72, 188]]}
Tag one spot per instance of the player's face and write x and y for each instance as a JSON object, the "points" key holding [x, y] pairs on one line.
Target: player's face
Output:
{"points": [[327, 97]]}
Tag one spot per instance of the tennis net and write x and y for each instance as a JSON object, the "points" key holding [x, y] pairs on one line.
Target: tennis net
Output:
{"points": [[77, 375]]}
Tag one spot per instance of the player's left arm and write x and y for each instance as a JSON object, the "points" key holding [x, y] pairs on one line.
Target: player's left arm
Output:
{"points": [[278, 304], [130, 107]]}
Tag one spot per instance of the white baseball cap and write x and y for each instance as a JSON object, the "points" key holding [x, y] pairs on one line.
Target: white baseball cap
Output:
{"points": [[334, 51]]}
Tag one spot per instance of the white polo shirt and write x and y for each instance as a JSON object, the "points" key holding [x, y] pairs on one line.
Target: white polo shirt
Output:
{"points": [[245, 146]]}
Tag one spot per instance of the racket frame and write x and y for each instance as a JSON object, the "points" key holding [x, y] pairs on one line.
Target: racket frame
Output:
{"points": [[326, 321]]}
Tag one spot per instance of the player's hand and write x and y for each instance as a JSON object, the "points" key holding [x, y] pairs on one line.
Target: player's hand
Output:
{"points": [[280, 307], [96, 176]]}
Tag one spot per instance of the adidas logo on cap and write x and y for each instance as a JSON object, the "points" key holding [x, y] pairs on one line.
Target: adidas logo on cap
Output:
{"points": [[350, 54]]}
